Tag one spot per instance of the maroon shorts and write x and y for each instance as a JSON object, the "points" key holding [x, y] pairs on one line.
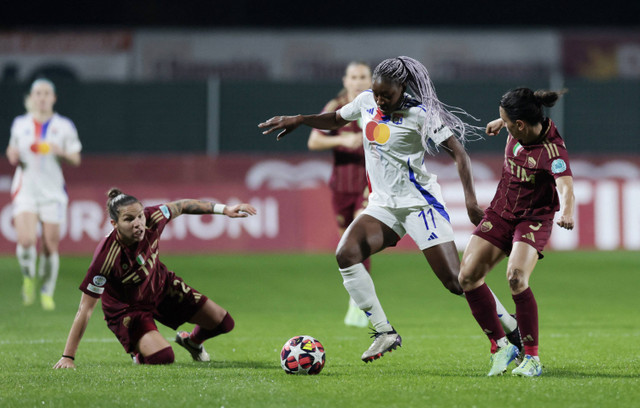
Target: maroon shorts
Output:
{"points": [[345, 205], [503, 233], [178, 306]]}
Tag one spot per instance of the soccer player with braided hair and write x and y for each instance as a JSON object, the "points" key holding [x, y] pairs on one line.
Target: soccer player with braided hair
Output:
{"points": [[398, 128], [137, 289], [536, 182]]}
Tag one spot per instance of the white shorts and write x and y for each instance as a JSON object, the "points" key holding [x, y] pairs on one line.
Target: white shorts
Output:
{"points": [[49, 211], [427, 226]]}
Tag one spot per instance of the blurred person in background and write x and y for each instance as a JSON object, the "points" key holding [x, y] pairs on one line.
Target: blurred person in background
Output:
{"points": [[136, 288], [405, 198], [41, 140], [536, 182], [348, 183]]}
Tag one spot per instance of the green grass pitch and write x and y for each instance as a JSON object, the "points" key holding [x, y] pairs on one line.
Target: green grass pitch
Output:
{"points": [[589, 327]]}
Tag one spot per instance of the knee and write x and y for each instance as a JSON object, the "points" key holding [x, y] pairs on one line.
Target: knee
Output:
{"points": [[26, 242], [164, 356], [453, 285], [227, 324], [467, 282], [517, 281], [348, 255]]}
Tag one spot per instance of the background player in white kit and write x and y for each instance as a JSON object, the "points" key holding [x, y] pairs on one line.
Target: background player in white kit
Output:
{"points": [[405, 197], [40, 140]]}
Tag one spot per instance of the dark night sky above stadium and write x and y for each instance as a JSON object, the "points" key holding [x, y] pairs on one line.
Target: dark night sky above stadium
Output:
{"points": [[275, 14]]}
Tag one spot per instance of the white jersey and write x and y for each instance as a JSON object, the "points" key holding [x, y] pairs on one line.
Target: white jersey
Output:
{"points": [[394, 152], [39, 175]]}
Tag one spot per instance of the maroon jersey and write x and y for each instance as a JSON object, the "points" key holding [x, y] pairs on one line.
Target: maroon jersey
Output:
{"points": [[129, 278], [349, 175], [527, 189]]}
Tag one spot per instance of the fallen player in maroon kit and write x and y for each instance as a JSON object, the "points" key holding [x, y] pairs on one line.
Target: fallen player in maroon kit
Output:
{"points": [[136, 288]]}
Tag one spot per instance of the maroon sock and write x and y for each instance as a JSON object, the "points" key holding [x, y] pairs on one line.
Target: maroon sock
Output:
{"points": [[483, 308], [527, 316], [367, 265], [164, 356], [199, 334]]}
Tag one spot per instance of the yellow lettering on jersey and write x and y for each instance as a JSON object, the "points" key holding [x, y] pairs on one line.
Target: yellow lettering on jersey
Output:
{"points": [[520, 172]]}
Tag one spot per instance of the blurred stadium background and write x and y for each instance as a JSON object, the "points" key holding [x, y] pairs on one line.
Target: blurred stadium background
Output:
{"points": [[167, 98]]}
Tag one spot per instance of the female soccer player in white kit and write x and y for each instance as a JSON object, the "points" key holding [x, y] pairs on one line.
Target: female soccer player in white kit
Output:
{"points": [[405, 197], [40, 140]]}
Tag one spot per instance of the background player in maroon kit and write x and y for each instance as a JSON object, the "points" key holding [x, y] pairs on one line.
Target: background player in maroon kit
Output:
{"points": [[348, 182], [137, 288], [518, 222]]}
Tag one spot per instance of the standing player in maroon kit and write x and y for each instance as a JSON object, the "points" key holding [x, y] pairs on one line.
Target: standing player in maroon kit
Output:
{"points": [[536, 182], [136, 288], [348, 182]]}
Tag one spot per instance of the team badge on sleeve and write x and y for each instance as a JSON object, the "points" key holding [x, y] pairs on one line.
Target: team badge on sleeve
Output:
{"points": [[165, 211], [558, 166], [97, 285], [99, 280]]}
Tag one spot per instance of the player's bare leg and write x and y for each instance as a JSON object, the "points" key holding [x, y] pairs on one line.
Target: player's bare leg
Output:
{"points": [[365, 237], [49, 263], [26, 226], [211, 320], [153, 348]]}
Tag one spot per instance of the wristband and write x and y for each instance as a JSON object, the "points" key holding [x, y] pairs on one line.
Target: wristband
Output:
{"points": [[218, 208], [71, 357]]}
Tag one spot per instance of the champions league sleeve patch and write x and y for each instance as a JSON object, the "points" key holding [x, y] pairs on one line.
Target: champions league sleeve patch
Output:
{"points": [[558, 166], [97, 285], [165, 211]]}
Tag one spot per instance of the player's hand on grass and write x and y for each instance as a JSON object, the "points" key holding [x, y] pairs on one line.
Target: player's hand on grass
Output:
{"points": [[64, 362], [285, 123], [566, 222], [239, 210], [493, 127]]}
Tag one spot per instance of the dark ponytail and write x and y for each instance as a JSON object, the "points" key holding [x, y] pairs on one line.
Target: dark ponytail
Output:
{"points": [[527, 105], [116, 200]]}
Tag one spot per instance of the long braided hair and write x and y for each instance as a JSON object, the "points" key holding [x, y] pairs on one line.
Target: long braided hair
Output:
{"points": [[412, 74]]}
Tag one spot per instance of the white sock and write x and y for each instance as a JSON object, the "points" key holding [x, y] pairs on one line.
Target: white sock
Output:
{"points": [[27, 260], [48, 271], [509, 324], [503, 342], [352, 302], [360, 286]]}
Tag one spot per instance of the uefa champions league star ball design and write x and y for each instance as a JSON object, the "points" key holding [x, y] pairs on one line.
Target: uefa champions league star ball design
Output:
{"points": [[302, 355]]}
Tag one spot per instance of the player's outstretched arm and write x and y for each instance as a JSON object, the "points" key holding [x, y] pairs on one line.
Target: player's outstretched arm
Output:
{"points": [[567, 201], [190, 206], [463, 164], [287, 124], [494, 127], [87, 304]]}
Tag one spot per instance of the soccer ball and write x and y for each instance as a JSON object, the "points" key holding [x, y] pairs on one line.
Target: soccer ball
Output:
{"points": [[302, 355]]}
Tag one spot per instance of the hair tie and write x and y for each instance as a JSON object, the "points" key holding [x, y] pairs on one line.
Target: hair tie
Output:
{"points": [[118, 197]]}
